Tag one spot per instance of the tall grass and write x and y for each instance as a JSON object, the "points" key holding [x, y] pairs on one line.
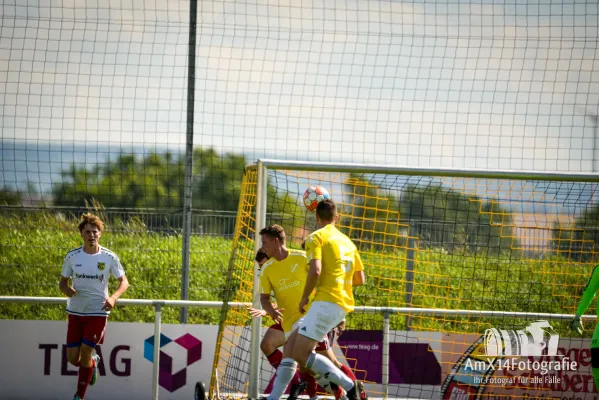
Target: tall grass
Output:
{"points": [[33, 245]]}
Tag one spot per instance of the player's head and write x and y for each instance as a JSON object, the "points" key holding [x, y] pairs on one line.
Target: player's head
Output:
{"points": [[326, 212], [261, 257], [90, 228], [273, 238]]}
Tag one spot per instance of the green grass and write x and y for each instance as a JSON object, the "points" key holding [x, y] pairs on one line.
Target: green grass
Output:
{"points": [[32, 247], [472, 282]]}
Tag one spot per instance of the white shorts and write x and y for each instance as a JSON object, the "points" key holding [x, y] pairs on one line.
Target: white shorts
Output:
{"points": [[295, 326], [321, 318]]}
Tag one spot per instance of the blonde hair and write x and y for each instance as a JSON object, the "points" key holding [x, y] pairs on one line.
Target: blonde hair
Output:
{"points": [[92, 220]]}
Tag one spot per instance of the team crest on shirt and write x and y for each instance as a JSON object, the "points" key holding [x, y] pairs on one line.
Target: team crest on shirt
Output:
{"points": [[101, 266]]}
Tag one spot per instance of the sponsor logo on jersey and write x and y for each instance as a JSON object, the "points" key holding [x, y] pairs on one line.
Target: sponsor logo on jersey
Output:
{"points": [[285, 284], [87, 276]]}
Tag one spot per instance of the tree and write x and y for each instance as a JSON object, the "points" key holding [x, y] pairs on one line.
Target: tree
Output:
{"points": [[157, 181], [371, 214], [217, 180], [580, 241], [446, 218]]}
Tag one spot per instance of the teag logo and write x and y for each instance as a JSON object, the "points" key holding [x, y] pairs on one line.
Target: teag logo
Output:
{"points": [[175, 356]]}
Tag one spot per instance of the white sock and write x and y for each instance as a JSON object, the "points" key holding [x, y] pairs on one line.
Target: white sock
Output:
{"points": [[285, 373], [324, 382], [325, 368]]}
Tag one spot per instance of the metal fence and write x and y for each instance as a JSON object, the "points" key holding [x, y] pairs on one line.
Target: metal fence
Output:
{"points": [[158, 306]]}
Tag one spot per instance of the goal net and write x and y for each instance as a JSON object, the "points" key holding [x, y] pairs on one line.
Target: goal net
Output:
{"points": [[476, 275]]}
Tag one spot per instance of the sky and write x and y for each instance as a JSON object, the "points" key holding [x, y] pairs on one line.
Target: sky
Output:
{"points": [[461, 84]]}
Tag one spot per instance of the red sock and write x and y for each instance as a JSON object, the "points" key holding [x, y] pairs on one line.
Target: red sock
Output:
{"points": [[311, 384], [85, 374], [347, 371], [338, 392], [274, 359]]}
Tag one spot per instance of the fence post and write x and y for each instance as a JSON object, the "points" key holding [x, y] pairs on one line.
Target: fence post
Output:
{"points": [[409, 278], [187, 204], [157, 333], [386, 332], [254, 372]]}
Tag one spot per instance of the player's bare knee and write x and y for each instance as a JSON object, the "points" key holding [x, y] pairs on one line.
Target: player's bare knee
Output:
{"points": [[73, 356], [300, 357], [267, 347], [86, 355]]}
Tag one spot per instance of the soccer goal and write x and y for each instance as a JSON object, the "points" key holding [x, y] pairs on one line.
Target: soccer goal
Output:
{"points": [[466, 270]]}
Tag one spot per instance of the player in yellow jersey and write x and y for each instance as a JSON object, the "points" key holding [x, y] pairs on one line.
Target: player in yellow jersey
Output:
{"points": [[284, 275], [275, 338], [335, 267]]}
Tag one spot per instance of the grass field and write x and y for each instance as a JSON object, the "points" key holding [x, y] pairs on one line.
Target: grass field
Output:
{"points": [[32, 249], [33, 246]]}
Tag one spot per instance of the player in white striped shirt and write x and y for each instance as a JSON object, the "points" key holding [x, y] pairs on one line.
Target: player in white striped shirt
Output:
{"points": [[89, 268]]}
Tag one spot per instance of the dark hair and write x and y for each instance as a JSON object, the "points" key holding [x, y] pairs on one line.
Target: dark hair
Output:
{"points": [[260, 255], [326, 210], [274, 231]]}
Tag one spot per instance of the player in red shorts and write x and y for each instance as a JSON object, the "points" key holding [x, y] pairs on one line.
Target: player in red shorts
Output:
{"points": [[89, 267]]}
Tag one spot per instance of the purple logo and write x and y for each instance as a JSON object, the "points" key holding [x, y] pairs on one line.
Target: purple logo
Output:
{"points": [[175, 356]]}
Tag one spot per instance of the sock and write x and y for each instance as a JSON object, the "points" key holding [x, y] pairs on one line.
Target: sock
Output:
{"points": [[85, 374], [311, 385], [337, 391], [595, 372], [285, 373], [274, 359], [296, 378], [294, 381], [347, 371], [325, 367], [324, 384]]}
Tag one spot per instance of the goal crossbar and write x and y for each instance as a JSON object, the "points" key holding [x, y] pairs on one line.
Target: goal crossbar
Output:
{"points": [[426, 171]]}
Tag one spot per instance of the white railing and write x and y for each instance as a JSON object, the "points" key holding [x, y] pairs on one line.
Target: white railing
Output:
{"points": [[157, 304], [386, 311]]}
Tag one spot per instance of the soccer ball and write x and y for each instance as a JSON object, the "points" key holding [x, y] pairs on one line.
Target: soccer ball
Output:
{"points": [[314, 195]]}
